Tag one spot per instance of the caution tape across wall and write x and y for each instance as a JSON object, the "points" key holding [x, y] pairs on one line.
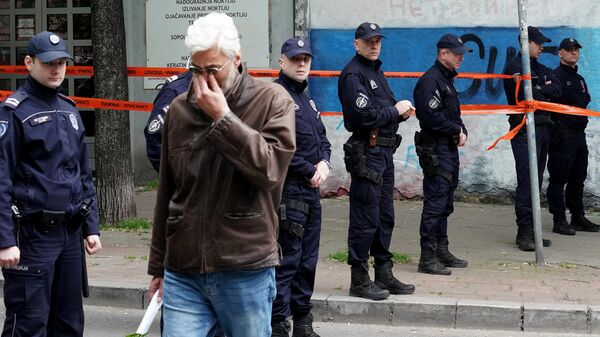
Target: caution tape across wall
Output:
{"points": [[466, 109]]}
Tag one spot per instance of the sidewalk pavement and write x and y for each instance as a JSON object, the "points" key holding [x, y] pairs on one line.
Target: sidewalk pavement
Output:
{"points": [[502, 288]]}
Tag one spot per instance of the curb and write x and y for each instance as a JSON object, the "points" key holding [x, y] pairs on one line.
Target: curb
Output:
{"points": [[455, 313], [411, 310]]}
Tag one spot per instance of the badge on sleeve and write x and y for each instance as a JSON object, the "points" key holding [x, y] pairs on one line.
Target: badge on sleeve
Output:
{"points": [[434, 103], [74, 122], [3, 128], [154, 126], [362, 100]]}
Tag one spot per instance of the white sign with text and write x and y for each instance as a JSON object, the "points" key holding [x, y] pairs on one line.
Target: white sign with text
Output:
{"points": [[167, 22]]}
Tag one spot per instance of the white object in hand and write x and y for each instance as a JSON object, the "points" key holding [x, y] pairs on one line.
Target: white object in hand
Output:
{"points": [[149, 315]]}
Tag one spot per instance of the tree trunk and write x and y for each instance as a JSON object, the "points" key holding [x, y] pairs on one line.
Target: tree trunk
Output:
{"points": [[114, 171]]}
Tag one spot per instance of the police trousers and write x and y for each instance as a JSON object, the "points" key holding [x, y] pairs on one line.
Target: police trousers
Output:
{"points": [[521, 154], [567, 165], [372, 210], [295, 276], [438, 197], [42, 295]]}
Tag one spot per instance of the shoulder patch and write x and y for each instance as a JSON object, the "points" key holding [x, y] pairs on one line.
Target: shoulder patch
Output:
{"points": [[3, 128], [172, 78], [66, 98], [15, 99]]}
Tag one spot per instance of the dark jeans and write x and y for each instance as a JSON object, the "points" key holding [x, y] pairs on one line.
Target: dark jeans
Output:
{"points": [[521, 155], [438, 197], [295, 275], [567, 165], [372, 210], [43, 294]]}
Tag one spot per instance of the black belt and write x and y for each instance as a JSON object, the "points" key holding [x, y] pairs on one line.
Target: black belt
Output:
{"points": [[386, 141], [297, 205]]}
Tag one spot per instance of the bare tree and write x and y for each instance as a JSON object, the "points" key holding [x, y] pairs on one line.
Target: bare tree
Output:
{"points": [[115, 187]]}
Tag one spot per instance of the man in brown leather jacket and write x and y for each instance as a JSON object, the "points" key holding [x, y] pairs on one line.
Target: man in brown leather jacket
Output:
{"points": [[227, 144]]}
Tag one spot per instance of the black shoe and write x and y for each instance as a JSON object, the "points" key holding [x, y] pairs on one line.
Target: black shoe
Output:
{"points": [[384, 278], [362, 286], [561, 226], [448, 259], [581, 223], [303, 326], [526, 241], [430, 264], [280, 329]]}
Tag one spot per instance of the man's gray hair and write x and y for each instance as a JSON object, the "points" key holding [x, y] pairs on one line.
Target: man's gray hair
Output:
{"points": [[213, 29]]}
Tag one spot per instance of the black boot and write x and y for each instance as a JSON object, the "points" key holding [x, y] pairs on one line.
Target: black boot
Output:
{"points": [[303, 326], [561, 226], [429, 263], [362, 286], [448, 259], [581, 223], [385, 279], [526, 241], [280, 329]]}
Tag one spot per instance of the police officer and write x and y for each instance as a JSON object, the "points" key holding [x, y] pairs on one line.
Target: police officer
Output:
{"points": [[568, 154], [546, 87], [300, 223], [442, 131], [371, 114], [47, 179], [174, 86]]}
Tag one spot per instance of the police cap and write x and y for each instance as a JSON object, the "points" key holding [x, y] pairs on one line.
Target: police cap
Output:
{"points": [[454, 43], [535, 35], [569, 43], [48, 47], [367, 30], [295, 46]]}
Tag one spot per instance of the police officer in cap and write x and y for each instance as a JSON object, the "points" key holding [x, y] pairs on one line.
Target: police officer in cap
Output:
{"points": [[174, 86], [442, 132], [372, 114], [47, 179], [300, 212], [568, 154], [546, 87]]}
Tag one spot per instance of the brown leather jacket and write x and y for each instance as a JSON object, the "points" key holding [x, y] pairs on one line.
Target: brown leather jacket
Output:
{"points": [[220, 185]]}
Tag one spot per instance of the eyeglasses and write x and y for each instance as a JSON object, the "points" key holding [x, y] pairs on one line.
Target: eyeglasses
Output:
{"points": [[208, 70]]}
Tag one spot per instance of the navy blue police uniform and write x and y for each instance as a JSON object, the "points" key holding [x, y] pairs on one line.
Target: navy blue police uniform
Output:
{"points": [[368, 106], [438, 110], [300, 213], [568, 154], [46, 176], [175, 86], [545, 87]]}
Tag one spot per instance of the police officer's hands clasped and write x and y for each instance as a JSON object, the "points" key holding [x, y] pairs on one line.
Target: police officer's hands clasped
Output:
{"points": [[9, 257], [405, 108], [209, 96], [93, 244], [462, 140], [321, 174]]}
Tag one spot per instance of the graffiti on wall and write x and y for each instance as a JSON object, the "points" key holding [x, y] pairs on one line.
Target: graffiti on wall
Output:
{"points": [[413, 49]]}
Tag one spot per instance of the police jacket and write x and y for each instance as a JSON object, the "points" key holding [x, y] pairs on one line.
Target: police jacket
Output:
{"points": [[545, 87], [366, 98], [174, 86], [436, 102], [220, 183], [312, 145], [43, 158], [575, 92]]}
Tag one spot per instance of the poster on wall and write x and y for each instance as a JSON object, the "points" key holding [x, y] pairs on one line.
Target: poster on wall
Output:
{"points": [[167, 22]]}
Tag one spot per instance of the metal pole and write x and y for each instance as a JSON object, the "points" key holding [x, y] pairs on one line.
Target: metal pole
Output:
{"points": [[531, 145]]}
